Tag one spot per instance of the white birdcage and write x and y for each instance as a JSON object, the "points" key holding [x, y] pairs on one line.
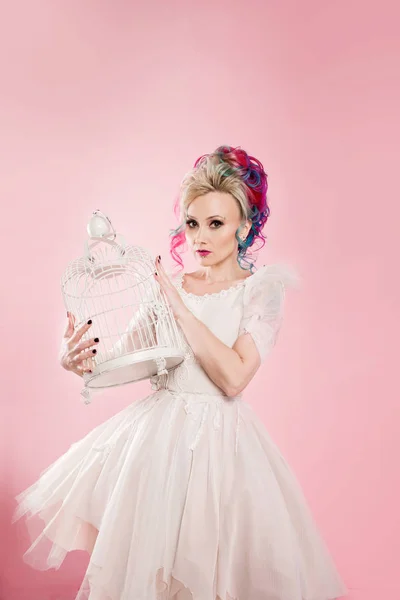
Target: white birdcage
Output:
{"points": [[113, 284]]}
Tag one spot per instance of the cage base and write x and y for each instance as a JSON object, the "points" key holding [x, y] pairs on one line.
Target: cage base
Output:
{"points": [[132, 367]]}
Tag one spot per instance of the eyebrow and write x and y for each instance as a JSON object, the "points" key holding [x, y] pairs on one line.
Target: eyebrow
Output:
{"points": [[212, 217]]}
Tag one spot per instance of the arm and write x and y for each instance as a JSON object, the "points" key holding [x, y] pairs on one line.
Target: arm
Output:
{"points": [[230, 369]]}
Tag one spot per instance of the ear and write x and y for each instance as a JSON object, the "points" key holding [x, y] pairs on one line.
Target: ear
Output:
{"points": [[246, 228]]}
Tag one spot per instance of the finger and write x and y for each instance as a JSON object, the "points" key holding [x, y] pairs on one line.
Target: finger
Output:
{"points": [[80, 362], [158, 275], [156, 265], [80, 332], [70, 325], [69, 329], [160, 269], [164, 278], [80, 369], [88, 355], [163, 271], [86, 366]]}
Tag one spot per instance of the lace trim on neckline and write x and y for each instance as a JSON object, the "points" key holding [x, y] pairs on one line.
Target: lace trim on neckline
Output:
{"points": [[224, 292], [281, 271]]}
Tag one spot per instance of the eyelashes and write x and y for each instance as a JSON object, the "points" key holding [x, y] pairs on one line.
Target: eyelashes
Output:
{"points": [[190, 221]]}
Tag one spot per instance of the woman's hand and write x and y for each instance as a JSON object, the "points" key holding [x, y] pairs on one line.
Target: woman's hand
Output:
{"points": [[73, 353], [175, 301]]}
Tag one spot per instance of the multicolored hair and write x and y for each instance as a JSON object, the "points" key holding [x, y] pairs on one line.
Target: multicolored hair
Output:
{"points": [[233, 171]]}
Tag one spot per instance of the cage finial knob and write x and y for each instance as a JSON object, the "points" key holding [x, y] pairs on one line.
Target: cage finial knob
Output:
{"points": [[99, 225]]}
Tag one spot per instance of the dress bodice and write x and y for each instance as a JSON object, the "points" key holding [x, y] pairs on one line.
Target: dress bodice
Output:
{"points": [[254, 306]]}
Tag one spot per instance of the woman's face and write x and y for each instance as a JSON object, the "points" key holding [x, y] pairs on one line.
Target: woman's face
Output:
{"points": [[211, 223]]}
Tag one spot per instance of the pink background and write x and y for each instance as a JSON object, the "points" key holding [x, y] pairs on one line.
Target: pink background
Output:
{"points": [[106, 105]]}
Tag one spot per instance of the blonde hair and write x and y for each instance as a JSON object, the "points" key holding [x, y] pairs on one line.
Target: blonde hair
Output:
{"points": [[211, 176]]}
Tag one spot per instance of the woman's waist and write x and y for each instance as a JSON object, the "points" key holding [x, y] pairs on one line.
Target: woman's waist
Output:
{"points": [[197, 388]]}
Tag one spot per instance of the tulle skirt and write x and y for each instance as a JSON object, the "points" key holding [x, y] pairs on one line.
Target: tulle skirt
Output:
{"points": [[183, 497]]}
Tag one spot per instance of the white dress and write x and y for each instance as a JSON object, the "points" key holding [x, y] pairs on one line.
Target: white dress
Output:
{"points": [[183, 495]]}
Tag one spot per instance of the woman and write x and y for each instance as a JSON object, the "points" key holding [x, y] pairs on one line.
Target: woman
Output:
{"points": [[183, 495]]}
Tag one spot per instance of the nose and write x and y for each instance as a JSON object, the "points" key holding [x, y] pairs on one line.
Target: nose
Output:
{"points": [[200, 237]]}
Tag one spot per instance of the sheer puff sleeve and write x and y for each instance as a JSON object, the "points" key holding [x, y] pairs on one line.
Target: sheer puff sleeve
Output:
{"points": [[263, 301]]}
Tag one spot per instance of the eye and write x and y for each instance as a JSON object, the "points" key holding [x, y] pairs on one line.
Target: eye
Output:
{"points": [[189, 222], [219, 223]]}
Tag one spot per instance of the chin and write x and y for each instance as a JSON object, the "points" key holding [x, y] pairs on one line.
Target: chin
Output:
{"points": [[203, 258]]}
